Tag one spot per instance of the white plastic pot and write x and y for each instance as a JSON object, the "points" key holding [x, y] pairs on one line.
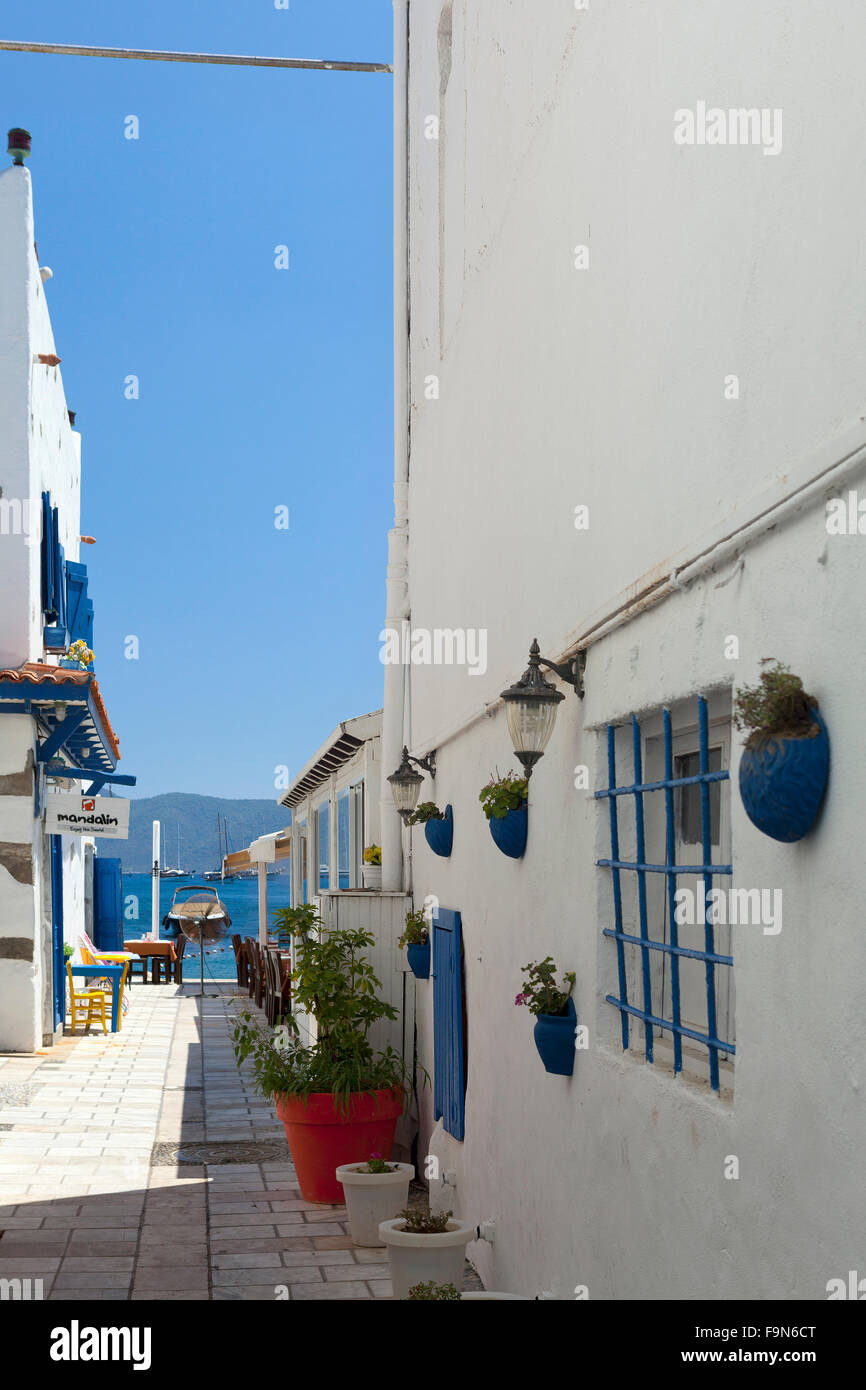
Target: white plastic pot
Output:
{"points": [[372, 875], [417, 1259], [372, 1198]]}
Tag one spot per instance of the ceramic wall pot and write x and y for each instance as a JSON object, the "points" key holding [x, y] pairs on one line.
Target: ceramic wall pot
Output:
{"points": [[554, 1038], [419, 960], [782, 783], [439, 834], [509, 833]]}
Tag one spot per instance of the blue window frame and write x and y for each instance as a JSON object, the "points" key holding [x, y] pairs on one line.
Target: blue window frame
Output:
{"points": [[449, 1055], [79, 608], [343, 856], [692, 793], [324, 846]]}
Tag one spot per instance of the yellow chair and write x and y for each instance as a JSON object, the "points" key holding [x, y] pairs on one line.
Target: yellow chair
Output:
{"points": [[91, 1001]]}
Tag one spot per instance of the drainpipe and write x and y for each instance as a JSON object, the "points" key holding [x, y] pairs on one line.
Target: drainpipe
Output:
{"points": [[397, 600]]}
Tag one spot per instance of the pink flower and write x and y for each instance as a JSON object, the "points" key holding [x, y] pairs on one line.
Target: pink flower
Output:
{"points": [[520, 999]]}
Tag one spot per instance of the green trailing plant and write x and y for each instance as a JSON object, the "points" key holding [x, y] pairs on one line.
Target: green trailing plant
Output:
{"points": [[428, 1292], [421, 1221], [332, 981], [373, 854], [541, 994], [416, 930], [777, 707], [428, 810], [68, 951], [503, 794], [377, 1164]]}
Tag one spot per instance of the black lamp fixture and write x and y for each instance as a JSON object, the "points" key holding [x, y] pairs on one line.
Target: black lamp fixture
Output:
{"points": [[531, 704], [19, 144], [406, 782]]}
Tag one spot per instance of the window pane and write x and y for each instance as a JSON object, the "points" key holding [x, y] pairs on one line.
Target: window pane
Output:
{"points": [[343, 839], [324, 847], [689, 798]]}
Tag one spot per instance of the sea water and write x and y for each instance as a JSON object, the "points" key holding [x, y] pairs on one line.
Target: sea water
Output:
{"points": [[240, 897]]}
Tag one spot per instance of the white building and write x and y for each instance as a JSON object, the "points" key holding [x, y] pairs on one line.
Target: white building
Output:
{"points": [[52, 718], [633, 381]]}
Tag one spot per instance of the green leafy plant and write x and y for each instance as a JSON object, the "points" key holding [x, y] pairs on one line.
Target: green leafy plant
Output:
{"points": [[68, 951], [377, 1164], [431, 1290], [332, 981], [373, 854], [421, 1221], [503, 794], [541, 994], [428, 810], [416, 930], [778, 707]]}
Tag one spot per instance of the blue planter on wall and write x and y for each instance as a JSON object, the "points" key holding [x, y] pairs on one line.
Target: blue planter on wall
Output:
{"points": [[509, 833], [439, 834], [782, 783], [419, 960], [554, 1038]]}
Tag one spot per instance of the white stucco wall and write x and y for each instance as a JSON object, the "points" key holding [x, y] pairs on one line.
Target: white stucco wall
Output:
{"points": [[605, 387], [40, 453]]}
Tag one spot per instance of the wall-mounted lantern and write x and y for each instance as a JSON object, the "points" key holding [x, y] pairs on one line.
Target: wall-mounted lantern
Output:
{"points": [[406, 782], [531, 704]]}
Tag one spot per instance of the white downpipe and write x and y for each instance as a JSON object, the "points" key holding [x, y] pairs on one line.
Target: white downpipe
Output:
{"points": [[397, 594]]}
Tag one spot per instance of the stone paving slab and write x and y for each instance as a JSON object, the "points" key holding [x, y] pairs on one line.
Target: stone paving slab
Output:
{"points": [[143, 1166]]}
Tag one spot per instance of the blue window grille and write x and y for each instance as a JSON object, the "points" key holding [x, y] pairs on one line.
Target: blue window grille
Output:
{"points": [[449, 1058], [343, 871], [647, 1015]]}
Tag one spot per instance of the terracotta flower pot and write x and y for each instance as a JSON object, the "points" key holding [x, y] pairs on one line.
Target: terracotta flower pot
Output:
{"points": [[322, 1139]]}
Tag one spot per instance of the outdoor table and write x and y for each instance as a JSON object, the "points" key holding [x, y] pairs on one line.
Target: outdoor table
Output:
{"points": [[109, 972], [152, 950]]}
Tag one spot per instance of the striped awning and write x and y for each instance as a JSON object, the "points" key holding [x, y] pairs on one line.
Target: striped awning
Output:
{"points": [[344, 742]]}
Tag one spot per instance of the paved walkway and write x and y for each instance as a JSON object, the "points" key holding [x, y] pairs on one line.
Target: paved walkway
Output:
{"points": [[94, 1203]]}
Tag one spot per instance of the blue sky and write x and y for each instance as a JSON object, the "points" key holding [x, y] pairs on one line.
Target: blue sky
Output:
{"points": [[259, 387]]}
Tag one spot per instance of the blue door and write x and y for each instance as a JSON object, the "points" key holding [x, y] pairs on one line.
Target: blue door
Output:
{"points": [[59, 961], [449, 1060], [107, 904]]}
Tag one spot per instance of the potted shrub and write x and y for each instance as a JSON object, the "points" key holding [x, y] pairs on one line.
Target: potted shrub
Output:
{"points": [[504, 800], [438, 826], [373, 1192], [371, 869], [338, 1100], [421, 1293], [424, 1246], [786, 760], [555, 1016], [416, 940]]}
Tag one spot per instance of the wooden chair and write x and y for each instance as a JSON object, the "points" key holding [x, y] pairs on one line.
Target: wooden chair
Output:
{"points": [[140, 964], [242, 965], [174, 968], [274, 992], [249, 947], [88, 1003]]}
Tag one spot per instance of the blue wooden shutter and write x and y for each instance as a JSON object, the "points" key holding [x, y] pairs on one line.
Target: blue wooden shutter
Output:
{"points": [[107, 904], [55, 633], [449, 1081], [79, 619]]}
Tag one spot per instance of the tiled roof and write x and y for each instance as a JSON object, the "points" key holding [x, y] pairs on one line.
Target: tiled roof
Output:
{"points": [[38, 673]]}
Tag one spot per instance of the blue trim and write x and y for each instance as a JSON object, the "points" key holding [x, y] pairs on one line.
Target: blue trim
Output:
{"points": [[63, 730], [59, 959], [449, 1080]]}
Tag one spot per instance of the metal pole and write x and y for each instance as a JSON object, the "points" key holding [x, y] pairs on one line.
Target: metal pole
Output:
{"points": [[154, 893], [153, 55]]}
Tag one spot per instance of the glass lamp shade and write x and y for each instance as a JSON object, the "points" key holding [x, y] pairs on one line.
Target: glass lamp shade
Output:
{"points": [[530, 724], [405, 788]]}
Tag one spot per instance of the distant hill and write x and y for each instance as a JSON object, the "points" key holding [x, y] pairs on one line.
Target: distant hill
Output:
{"points": [[196, 818]]}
